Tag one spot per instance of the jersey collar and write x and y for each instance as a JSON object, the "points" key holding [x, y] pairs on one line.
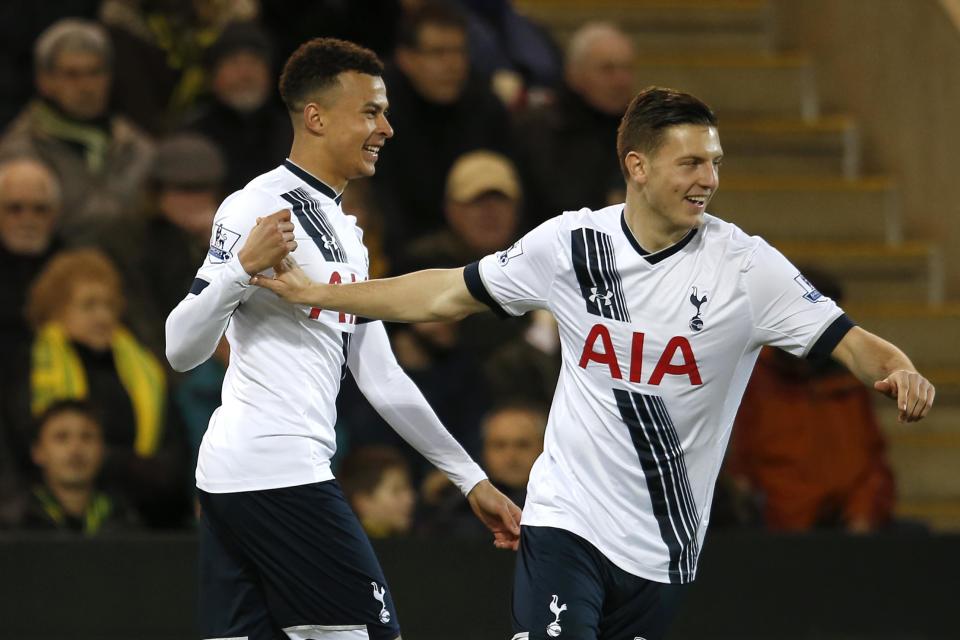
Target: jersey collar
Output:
{"points": [[313, 181], [663, 254]]}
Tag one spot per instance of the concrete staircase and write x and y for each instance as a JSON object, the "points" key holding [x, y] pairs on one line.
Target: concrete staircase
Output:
{"points": [[794, 175]]}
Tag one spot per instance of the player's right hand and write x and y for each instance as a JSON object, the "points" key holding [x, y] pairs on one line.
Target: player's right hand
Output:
{"points": [[290, 282], [268, 243]]}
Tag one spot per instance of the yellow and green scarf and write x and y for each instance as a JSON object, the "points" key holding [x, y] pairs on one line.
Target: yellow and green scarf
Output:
{"points": [[58, 374]]}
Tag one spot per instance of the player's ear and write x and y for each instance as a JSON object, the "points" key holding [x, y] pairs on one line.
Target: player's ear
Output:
{"points": [[637, 166], [314, 119]]}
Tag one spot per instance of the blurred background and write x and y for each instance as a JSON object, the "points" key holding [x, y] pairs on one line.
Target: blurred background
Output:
{"points": [[125, 123]]}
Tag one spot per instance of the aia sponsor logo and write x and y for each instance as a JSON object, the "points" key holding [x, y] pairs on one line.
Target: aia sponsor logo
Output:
{"points": [[598, 348]]}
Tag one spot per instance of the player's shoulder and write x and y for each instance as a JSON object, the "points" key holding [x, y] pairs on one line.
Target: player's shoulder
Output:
{"points": [[606, 219], [261, 196], [728, 238]]}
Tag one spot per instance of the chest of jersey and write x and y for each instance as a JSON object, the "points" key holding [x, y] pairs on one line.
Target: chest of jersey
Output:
{"points": [[329, 250], [680, 321]]}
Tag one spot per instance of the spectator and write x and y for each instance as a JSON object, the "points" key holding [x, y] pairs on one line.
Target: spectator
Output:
{"points": [[482, 209], [578, 132], [520, 57], [81, 351], [807, 442], [29, 207], [185, 189], [243, 116], [160, 45], [68, 450], [376, 481], [101, 159], [433, 96], [512, 441], [433, 355]]}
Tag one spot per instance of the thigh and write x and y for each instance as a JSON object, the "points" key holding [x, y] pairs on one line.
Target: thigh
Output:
{"points": [[558, 587], [317, 565], [232, 602], [636, 608]]}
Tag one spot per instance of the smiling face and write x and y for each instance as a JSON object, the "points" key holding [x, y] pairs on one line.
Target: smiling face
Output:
{"points": [[677, 180], [354, 127]]}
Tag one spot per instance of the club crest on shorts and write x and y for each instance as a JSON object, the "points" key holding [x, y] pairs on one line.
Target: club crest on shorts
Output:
{"points": [[554, 629], [379, 595], [222, 243], [696, 322]]}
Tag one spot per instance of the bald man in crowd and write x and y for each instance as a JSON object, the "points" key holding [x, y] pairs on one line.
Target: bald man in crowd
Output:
{"points": [[29, 210], [577, 131]]}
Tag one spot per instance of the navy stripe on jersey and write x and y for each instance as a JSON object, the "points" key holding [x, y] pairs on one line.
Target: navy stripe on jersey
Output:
{"points": [[830, 338], [661, 458], [199, 284], [346, 353], [596, 267], [316, 225], [313, 181], [474, 282]]}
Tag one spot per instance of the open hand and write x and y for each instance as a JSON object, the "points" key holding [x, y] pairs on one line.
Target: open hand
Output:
{"points": [[290, 282], [268, 242], [913, 393], [498, 513]]}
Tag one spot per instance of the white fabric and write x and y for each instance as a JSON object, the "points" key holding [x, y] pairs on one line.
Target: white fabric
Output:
{"points": [[398, 401], [589, 479], [321, 632], [275, 425]]}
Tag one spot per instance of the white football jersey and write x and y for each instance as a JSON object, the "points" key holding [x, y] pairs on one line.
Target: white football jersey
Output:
{"points": [[657, 350], [275, 426]]}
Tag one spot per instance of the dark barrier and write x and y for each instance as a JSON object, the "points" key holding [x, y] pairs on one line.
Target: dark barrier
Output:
{"points": [[749, 586]]}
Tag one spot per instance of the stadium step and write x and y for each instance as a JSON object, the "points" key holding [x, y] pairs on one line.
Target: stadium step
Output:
{"points": [[737, 84], [811, 209], [874, 272], [828, 146], [928, 334], [658, 25]]}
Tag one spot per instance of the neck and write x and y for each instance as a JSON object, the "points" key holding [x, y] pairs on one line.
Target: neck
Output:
{"points": [[314, 161], [73, 499], [651, 230]]}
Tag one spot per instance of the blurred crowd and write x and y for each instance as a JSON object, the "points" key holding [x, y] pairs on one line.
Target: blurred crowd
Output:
{"points": [[125, 125]]}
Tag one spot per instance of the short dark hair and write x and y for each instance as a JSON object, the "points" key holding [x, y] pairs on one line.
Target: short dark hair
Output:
{"points": [[362, 469], [59, 407], [440, 14], [315, 65], [650, 113]]}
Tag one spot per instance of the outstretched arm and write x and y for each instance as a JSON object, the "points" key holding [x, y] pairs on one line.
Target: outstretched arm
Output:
{"points": [[398, 400], [884, 367], [422, 296]]}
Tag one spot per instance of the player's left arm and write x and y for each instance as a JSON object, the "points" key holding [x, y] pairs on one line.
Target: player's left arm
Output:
{"points": [[398, 400], [881, 365], [422, 296]]}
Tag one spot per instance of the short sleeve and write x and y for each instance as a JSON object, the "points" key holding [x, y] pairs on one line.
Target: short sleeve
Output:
{"points": [[519, 278], [788, 311]]}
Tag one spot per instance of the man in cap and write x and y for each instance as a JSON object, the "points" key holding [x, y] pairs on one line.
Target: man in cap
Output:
{"points": [[482, 210]]}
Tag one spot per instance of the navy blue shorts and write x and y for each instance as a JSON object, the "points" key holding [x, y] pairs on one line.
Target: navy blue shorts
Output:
{"points": [[565, 588], [289, 561]]}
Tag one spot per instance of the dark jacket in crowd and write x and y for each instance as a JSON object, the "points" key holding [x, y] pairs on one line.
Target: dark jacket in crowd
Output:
{"points": [[412, 169], [568, 158]]}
